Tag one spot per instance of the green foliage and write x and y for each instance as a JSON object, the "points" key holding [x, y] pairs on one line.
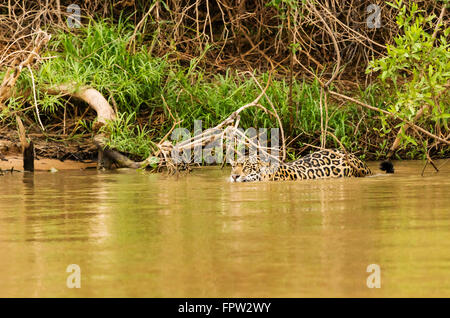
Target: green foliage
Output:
{"points": [[128, 137], [97, 56], [417, 68]]}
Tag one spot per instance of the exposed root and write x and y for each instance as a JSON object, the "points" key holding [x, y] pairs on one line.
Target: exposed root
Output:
{"points": [[89, 95]]}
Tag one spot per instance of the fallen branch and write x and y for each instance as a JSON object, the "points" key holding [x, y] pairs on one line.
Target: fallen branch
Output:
{"points": [[108, 156], [227, 129]]}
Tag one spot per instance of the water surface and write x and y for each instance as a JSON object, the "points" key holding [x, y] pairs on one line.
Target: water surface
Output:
{"points": [[135, 234]]}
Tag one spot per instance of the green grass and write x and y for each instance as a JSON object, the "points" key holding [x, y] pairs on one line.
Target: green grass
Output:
{"points": [[97, 56]]}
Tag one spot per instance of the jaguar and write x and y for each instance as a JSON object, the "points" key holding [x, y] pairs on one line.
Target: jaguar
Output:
{"points": [[325, 163]]}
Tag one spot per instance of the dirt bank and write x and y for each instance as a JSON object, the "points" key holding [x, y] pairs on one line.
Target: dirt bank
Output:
{"points": [[44, 164], [49, 154]]}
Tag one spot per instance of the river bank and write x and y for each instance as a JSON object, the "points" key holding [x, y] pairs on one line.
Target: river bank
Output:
{"points": [[15, 162], [140, 97], [49, 154]]}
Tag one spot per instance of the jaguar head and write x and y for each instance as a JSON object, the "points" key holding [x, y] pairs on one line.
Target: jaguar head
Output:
{"points": [[249, 170]]}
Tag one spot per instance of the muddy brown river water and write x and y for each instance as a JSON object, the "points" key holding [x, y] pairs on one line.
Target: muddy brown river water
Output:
{"points": [[134, 234]]}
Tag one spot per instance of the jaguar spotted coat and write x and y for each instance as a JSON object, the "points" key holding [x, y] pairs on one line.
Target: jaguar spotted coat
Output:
{"points": [[320, 164]]}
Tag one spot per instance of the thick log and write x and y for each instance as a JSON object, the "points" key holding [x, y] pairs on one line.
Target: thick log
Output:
{"points": [[107, 156]]}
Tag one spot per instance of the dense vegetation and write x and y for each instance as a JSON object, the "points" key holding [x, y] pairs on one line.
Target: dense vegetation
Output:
{"points": [[154, 76]]}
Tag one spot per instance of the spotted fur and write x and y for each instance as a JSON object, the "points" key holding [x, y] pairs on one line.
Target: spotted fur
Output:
{"points": [[320, 164]]}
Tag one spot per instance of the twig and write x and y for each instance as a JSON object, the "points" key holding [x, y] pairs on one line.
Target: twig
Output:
{"points": [[35, 99]]}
